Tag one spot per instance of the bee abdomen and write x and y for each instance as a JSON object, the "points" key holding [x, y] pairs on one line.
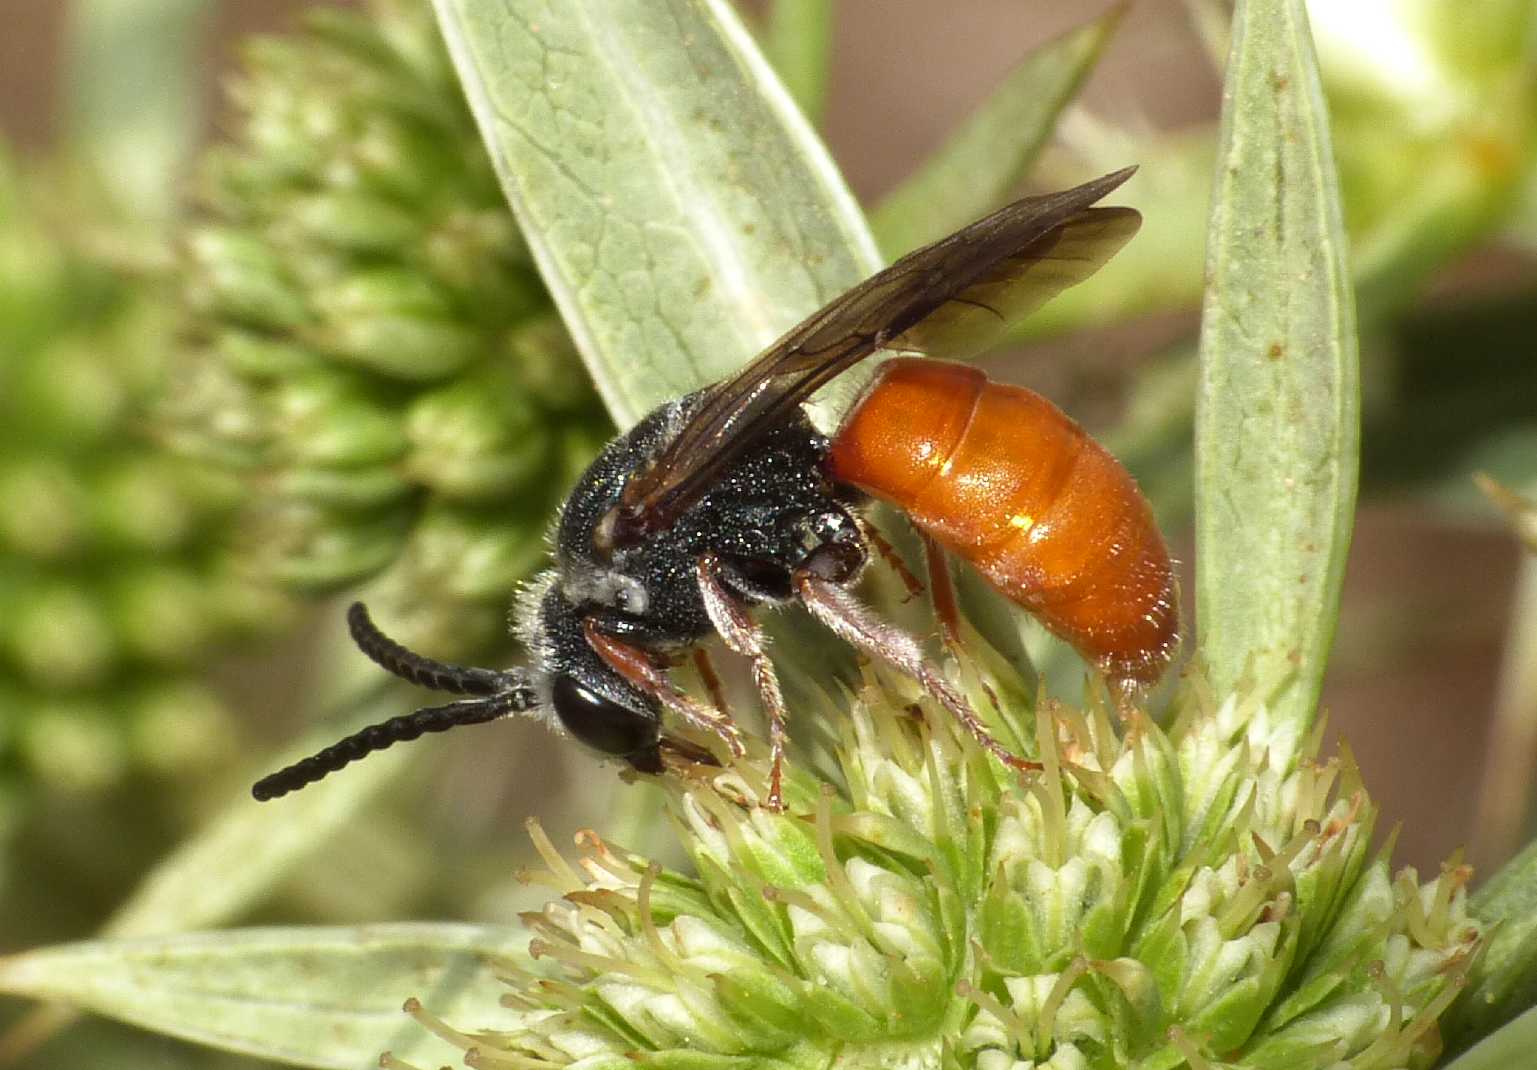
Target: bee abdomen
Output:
{"points": [[1003, 478]]}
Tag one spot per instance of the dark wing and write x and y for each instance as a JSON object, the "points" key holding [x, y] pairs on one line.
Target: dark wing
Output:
{"points": [[951, 298]]}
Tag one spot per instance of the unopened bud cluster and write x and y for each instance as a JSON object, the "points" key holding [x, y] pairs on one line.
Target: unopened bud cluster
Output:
{"points": [[377, 351], [114, 588], [1198, 896]]}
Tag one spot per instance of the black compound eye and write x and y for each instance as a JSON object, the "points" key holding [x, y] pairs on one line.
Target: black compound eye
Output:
{"points": [[601, 723]]}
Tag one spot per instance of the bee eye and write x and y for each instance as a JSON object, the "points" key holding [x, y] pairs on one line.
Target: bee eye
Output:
{"points": [[602, 723]]}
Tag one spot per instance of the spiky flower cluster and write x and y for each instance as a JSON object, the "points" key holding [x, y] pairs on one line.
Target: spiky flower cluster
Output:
{"points": [[111, 575], [377, 346], [1203, 896]]}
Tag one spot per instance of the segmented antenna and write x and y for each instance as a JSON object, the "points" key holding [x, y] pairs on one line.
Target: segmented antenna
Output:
{"points": [[377, 737], [499, 693], [409, 665]]}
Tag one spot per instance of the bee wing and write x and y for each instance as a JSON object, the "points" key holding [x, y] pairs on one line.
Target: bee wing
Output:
{"points": [[978, 317], [950, 299]]}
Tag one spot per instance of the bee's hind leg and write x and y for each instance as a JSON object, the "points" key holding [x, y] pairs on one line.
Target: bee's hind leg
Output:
{"points": [[942, 592], [867, 632], [888, 553]]}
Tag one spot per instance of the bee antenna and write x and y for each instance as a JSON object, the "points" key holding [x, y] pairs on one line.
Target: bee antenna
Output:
{"points": [[377, 737], [422, 670]]}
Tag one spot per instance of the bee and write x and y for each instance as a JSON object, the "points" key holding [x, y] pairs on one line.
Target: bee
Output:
{"points": [[730, 499]]}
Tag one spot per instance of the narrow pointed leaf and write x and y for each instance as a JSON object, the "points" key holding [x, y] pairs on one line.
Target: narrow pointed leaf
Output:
{"points": [[249, 846], [1506, 788], [312, 996], [1278, 409], [798, 39], [1509, 1048], [1503, 983], [974, 171], [681, 209], [133, 99]]}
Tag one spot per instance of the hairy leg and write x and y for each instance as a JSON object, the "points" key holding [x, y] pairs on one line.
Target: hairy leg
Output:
{"points": [[889, 555], [743, 635], [851, 621]]}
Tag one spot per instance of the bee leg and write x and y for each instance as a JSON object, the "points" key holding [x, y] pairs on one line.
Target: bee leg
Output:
{"points": [[710, 678], [638, 667], [942, 592], [842, 614], [889, 555], [742, 634], [685, 752]]}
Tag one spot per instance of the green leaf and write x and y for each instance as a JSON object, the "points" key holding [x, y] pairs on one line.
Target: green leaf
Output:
{"points": [[1504, 794], [1278, 409], [1503, 982], [238, 856], [797, 39], [1510, 1048], [324, 997], [133, 95], [681, 209], [973, 172]]}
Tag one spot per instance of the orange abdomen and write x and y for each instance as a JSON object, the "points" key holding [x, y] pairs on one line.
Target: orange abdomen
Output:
{"points": [[1003, 478]]}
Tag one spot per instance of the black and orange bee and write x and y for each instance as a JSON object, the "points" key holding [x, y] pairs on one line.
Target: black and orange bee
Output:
{"points": [[729, 498]]}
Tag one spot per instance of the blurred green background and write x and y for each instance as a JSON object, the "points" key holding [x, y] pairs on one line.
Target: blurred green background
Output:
{"points": [[161, 639]]}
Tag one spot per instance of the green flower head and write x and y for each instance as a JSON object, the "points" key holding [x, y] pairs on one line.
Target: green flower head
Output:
{"points": [[1202, 895]]}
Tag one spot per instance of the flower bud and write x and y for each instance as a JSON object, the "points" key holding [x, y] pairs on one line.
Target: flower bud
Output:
{"points": [[476, 439], [45, 507], [159, 614], [392, 322], [351, 222], [180, 726], [382, 349], [108, 559], [59, 636], [328, 420], [310, 547], [69, 394], [242, 278], [144, 504], [73, 746]]}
